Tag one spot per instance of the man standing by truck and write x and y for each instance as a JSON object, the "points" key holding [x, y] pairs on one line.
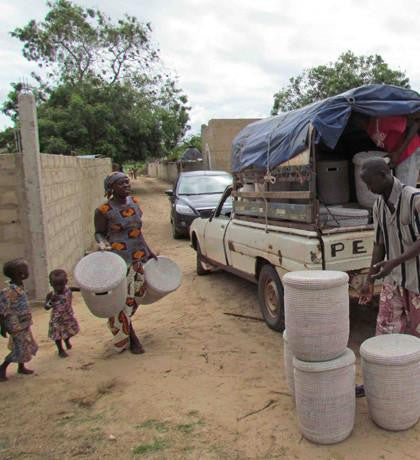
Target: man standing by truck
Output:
{"points": [[396, 252]]}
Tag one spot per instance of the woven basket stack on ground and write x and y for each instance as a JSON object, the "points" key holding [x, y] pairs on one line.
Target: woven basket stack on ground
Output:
{"points": [[317, 313], [288, 366], [391, 374], [317, 332], [325, 399]]}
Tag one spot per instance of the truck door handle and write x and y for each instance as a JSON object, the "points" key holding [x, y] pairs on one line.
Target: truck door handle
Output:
{"points": [[222, 226]]}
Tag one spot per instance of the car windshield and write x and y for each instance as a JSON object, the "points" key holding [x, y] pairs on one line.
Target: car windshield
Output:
{"points": [[198, 185]]}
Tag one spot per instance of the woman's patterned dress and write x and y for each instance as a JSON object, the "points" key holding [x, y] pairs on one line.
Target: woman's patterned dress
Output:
{"points": [[126, 239]]}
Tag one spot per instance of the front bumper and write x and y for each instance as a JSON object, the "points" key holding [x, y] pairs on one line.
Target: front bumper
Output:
{"points": [[183, 222]]}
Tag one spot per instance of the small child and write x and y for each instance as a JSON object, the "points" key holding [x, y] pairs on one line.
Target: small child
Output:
{"points": [[16, 318], [63, 325]]}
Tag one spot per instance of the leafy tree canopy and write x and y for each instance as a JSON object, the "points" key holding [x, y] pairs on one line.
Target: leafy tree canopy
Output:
{"points": [[105, 91], [349, 71], [73, 43], [191, 141]]}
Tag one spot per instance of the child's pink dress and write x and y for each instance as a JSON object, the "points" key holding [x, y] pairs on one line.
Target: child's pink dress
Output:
{"points": [[63, 324]]}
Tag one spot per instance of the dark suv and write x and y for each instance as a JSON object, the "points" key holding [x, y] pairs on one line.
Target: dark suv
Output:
{"points": [[195, 194]]}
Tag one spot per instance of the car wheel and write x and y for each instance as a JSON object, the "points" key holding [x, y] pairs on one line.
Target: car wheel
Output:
{"points": [[175, 233], [271, 297], [201, 270]]}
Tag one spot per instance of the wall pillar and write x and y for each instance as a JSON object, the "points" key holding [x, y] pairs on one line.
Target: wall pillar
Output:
{"points": [[37, 247]]}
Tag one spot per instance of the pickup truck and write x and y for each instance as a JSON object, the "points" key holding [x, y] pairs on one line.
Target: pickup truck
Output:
{"points": [[263, 253], [297, 201]]}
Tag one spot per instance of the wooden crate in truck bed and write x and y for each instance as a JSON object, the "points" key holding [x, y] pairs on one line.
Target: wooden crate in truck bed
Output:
{"points": [[287, 197]]}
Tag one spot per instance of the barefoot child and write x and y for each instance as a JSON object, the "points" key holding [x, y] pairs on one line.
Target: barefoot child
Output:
{"points": [[16, 318], [63, 325]]}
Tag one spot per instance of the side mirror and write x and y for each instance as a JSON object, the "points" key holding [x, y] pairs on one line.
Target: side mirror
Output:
{"points": [[169, 192]]}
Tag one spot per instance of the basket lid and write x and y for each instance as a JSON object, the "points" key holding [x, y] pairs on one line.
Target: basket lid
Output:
{"points": [[100, 271], [346, 359], [315, 279], [391, 349], [162, 274], [361, 157]]}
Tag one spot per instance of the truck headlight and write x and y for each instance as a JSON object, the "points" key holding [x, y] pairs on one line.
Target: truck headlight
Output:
{"points": [[184, 209]]}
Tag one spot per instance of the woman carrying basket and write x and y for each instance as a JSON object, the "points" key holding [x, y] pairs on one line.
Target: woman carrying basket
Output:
{"points": [[118, 228]]}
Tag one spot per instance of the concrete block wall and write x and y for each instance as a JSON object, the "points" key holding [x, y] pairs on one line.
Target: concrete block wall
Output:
{"points": [[73, 188], [167, 171], [12, 227], [216, 141], [152, 168]]}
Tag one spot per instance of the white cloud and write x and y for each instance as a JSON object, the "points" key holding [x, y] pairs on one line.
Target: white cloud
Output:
{"points": [[231, 57]]}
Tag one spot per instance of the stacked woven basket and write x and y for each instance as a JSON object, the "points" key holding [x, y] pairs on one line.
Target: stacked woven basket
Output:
{"points": [[320, 368], [391, 374]]}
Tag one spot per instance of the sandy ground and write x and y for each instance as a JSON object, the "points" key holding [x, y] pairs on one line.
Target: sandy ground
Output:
{"points": [[191, 393]]}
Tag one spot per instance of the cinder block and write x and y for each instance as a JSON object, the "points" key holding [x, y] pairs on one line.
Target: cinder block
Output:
{"points": [[11, 232], [9, 197], [8, 215], [9, 250], [7, 161], [8, 178]]}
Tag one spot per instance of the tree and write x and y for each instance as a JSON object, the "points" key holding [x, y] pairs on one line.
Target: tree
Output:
{"points": [[113, 120], [105, 92], [74, 43], [349, 71]]}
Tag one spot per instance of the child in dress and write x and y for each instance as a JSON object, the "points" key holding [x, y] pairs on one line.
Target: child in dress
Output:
{"points": [[16, 318], [63, 325]]}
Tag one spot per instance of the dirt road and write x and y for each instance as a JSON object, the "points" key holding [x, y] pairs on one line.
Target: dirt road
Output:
{"points": [[193, 393]]}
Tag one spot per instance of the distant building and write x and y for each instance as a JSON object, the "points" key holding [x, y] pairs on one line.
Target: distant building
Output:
{"points": [[216, 141]]}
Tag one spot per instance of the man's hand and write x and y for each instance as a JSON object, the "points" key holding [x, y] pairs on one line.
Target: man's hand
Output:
{"points": [[383, 269], [366, 293]]}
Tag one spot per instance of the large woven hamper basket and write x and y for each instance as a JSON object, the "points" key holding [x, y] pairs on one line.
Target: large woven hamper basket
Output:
{"points": [[391, 375], [288, 366], [325, 398], [316, 313], [162, 276], [103, 284]]}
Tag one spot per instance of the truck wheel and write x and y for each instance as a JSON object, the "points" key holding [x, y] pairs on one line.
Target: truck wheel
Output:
{"points": [[201, 270], [271, 297]]}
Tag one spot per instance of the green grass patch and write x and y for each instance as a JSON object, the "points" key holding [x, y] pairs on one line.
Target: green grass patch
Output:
{"points": [[155, 446], [160, 427], [186, 428]]}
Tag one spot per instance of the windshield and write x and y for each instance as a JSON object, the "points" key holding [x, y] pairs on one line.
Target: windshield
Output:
{"points": [[197, 185]]}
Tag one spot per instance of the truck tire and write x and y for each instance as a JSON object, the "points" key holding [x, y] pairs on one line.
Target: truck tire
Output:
{"points": [[201, 271], [271, 297]]}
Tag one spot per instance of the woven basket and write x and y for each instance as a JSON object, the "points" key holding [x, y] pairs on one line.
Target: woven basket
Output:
{"points": [[103, 284], [391, 374], [325, 398], [316, 313], [288, 366], [162, 276]]}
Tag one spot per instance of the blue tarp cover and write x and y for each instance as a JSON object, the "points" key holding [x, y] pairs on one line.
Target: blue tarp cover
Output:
{"points": [[286, 135]]}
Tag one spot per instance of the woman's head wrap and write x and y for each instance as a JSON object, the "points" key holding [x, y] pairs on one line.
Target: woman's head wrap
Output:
{"points": [[110, 181]]}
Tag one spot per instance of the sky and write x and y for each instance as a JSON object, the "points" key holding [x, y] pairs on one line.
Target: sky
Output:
{"points": [[231, 56]]}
